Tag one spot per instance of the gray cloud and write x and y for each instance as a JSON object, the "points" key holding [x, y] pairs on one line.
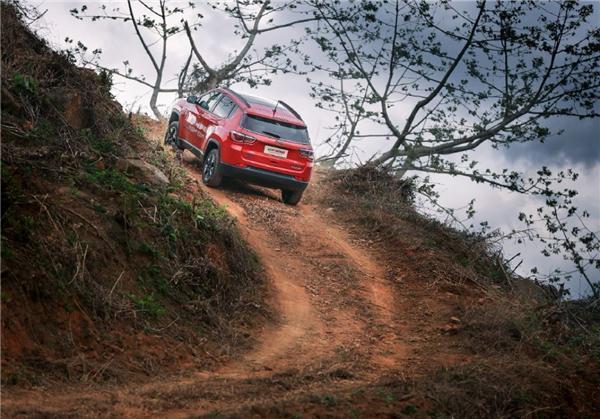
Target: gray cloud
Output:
{"points": [[579, 144]]}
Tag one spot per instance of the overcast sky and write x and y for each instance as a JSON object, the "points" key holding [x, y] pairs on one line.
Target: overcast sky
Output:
{"points": [[578, 147]]}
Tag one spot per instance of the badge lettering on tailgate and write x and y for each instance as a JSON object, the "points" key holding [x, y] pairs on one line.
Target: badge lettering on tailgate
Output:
{"points": [[276, 151]]}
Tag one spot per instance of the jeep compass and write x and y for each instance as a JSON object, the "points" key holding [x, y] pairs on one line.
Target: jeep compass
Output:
{"points": [[261, 141]]}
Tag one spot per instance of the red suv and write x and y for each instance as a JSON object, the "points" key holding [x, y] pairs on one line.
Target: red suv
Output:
{"points": [[258, 140]]}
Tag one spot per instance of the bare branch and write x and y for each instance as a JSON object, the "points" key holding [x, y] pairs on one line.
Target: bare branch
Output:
{"points": [[203, 62], [140, 37]]}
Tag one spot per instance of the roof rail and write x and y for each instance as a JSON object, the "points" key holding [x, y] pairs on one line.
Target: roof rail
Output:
{"points": [[289, 108], [240, 97]]}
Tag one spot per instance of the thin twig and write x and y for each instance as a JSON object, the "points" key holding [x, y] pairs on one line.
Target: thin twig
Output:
{"points": [[100, 370], [539, 409], [163, 328], [45, 208], [508, 280], [91, 224], [80, 262], [115, 284]]}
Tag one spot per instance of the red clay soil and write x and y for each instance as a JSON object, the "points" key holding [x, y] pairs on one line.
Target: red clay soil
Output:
{"points": [[342, 325]]}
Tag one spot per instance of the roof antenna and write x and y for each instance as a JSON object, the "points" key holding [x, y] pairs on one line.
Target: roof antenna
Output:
{"points": [[275, 108]]}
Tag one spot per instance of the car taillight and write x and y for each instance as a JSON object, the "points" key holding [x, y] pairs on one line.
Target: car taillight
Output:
{"points": [[307, 153], [238, 137]]}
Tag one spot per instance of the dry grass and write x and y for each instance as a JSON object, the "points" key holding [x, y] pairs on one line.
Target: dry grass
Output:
{"points": [[105, 274], [530, 357], [384, 206]]}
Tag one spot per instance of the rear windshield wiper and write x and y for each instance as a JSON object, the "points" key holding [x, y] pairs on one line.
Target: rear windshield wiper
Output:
{"points": [[271, 134]]}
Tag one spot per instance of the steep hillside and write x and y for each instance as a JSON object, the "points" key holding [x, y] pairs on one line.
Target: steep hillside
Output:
{"points": [[114, 263], [129, 289]]}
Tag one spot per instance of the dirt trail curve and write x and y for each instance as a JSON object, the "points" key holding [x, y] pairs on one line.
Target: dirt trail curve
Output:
{"points": [[328, 292], [340, 324]]}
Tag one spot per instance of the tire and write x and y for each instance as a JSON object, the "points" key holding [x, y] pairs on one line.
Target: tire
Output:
{"points": [[211, 169], [291, 197], [171, 136]]}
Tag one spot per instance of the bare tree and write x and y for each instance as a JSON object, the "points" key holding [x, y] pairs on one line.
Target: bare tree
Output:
{"points": [[348, 107], [255, 18], [493, 78], [156, 24], [150, 27], [445, 79]]}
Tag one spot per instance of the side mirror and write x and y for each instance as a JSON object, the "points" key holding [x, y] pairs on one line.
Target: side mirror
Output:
{"points": [[203, 105], [192, 99]]}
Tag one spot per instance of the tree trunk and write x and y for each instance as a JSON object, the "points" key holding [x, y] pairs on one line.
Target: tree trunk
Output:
{"points": [[154, 98], [333, 160], [379, 161], [212, 82]]}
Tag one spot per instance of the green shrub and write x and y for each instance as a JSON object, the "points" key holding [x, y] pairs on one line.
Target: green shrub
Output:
{"points": [[148, 305], [111, 179], [24, 85]]}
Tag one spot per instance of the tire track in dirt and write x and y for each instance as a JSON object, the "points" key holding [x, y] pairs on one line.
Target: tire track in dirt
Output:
{"points": [[300, 325], [337, 322], [391, 351], [375, 327]]}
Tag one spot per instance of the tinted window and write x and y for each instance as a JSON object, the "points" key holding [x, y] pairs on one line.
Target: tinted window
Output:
{"points": [[276, 129], [212, 101], [209, 99], [224, 107]]}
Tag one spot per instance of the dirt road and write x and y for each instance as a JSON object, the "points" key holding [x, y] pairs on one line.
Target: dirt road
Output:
{"points": [[342, 325]]}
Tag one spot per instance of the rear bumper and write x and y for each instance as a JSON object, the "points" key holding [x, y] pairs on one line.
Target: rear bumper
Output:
{"points": [[263, 178]]}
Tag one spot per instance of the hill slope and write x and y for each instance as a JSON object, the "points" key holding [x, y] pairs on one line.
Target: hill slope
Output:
{"points": [[355, 306], [114, 264]]}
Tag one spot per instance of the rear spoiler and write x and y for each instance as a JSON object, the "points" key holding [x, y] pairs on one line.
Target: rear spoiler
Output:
{"points": [[245, 102], [289, 108]]}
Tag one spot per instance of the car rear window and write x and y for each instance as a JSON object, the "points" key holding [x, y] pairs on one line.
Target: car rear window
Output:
{"points": [[276, 129]]}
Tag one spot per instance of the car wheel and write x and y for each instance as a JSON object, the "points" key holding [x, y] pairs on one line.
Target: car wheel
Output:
{"points": [[171, 135], [291, 197], [211, 169]]}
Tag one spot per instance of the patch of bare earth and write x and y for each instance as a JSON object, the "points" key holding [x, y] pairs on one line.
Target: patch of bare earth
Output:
{"points": [[345, 322]]}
